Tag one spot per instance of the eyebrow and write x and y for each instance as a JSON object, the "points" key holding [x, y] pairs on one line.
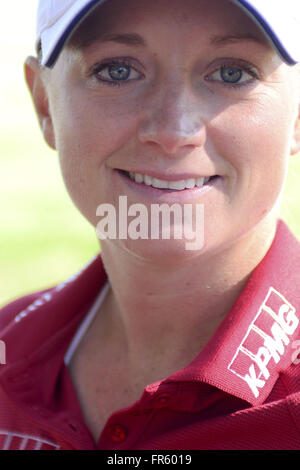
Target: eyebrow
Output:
{"points": [[128, 39], [223, 40]]}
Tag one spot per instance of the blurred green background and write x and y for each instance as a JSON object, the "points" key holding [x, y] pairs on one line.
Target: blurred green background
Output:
{"points": [[44, 239]]}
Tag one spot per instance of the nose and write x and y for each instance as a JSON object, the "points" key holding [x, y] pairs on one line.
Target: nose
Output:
{"points": [[173, 121]]}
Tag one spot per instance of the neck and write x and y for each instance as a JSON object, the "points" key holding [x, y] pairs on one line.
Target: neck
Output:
{"points": [[172, 310]]}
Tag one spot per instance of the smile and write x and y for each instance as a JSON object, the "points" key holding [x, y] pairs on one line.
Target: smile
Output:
{"points": [[177, 185]]}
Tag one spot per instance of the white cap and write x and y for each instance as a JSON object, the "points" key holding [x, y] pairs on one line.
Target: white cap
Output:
{"points": [[279, 20]]}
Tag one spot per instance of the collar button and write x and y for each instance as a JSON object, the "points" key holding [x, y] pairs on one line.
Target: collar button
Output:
{"points": [[117, 433]]}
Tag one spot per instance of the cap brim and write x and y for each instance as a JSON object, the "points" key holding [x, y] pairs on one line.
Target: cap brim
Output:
{"points": [[54, 38], [250, 8]]}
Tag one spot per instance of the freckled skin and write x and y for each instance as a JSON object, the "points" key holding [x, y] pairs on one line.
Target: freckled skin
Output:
{"points": [[175, 121]]}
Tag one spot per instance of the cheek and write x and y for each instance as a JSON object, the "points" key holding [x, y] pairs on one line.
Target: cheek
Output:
{"points": [[88, 133], [255, 139], [93, 127]]}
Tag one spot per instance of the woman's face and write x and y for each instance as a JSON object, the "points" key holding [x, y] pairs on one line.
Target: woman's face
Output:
{"points": [[176, 90]]}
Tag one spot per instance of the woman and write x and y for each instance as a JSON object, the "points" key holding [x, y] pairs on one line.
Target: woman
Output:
{"points": [[153, 345]]}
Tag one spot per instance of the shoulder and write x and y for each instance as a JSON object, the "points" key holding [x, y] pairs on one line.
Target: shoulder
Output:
{"points": [[77, 290], [33, 321]]}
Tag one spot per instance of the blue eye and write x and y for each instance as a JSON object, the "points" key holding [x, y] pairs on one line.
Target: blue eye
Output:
{"points": [[115, 72], [119, 72], [231, 74]]}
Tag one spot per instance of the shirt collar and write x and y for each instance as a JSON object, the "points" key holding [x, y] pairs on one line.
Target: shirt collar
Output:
{"points": [[255, 341]]}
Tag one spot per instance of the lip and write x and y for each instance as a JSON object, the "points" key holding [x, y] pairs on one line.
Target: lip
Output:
{"points": [[171, 196]]}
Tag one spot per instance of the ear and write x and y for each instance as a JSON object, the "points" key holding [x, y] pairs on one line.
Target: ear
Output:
{"points": [[295, 148], [296, 139], [37, 88]]}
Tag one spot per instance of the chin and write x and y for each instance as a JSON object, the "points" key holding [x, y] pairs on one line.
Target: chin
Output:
{"points": [[161, 252]]}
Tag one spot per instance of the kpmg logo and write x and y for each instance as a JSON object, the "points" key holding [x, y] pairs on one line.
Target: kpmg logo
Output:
{"points": [[2, 353], [266, 339]]}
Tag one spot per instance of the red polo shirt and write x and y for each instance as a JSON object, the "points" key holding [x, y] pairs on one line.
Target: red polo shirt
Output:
{"points": [[242, 391]]}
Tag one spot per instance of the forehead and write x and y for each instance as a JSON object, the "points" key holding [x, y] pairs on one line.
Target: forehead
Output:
{"points": [[221, 18]]}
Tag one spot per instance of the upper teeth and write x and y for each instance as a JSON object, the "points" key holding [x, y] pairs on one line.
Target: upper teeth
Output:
{"points": [[163, 184]]}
